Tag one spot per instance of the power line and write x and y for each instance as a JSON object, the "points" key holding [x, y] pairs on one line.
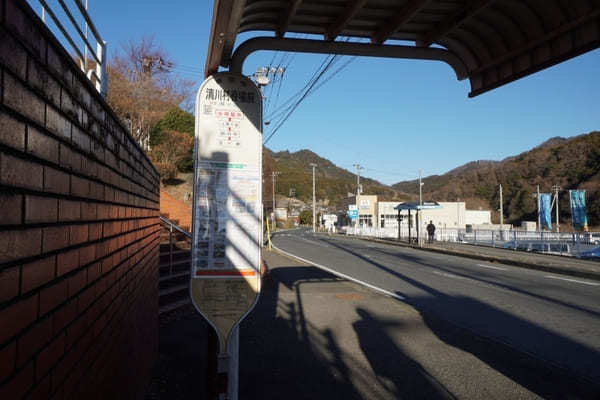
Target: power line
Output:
{"points": [[300, 100]]}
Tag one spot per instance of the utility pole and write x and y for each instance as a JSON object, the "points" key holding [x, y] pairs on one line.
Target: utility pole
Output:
{"points": [[420, 190], [358, 168], [273, 175], [419, 215], [313, 165], [501, 209], [556, 189]]}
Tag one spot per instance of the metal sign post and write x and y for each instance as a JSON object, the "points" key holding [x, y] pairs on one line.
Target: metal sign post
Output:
{"points": [[227, 211]]}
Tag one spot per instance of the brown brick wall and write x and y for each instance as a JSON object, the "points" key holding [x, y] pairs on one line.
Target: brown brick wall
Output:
{"points": [[79, 229]]}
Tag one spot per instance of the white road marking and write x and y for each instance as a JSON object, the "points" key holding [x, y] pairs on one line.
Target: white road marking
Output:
{"points": [[447, 275], [378, 289], [572, 280], [490, 267]]}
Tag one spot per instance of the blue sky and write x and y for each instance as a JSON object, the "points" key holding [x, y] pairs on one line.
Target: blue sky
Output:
{"points": [[394, 117]]}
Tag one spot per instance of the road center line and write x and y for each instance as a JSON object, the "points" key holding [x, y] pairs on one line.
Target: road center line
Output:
{"points": [[490, 267], [572, 280]]}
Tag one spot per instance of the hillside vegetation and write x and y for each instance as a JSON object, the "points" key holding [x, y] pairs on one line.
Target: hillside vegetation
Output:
{"points": [[572, 163], [332, 183]]}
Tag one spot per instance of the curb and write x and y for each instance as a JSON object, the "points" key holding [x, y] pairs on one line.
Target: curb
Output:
{"points": [[523, 264]]}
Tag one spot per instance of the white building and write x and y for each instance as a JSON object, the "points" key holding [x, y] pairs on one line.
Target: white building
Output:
{"points": [[478, 217]]}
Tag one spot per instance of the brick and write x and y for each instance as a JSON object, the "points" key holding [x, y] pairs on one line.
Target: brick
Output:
{"points": [[97, 191], [95, 231], [81, 139], [56, 181], [12, 54], [11, 208], [54, 238], [80, 187], [41, 390], [77, 282], [52, 296], [40, 209], [69, 158], [64, 316], [88, 211], [89, 167], [86, 298], [50, 355], [57, 123], [20, 244], [12, 132], [69, 210], [8, 357], [37, 273], [60, 66], [33, 339], [41, 145], [103, 211], [68, 106], [17, 316], [87, 254], [93, 272], [9, 283], [20, 173], [19, 384], [19, 23], [67, 261], [21, 99], [40, 80], [79, 234]]}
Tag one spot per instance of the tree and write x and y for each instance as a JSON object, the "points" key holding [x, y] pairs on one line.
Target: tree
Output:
{"points": [[174, 146], [141, 87], [306, 217], [178, 120]]}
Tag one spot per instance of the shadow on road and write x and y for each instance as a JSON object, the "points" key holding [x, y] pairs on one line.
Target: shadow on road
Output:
{"points": [[443, 314], [284, 355]]}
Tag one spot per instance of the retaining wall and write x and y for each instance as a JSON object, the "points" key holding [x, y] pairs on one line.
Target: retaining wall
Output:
{"points": [[79, 229]]}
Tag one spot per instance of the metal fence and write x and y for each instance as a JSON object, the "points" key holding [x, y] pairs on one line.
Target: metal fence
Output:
{"points": [[563, 243], [71, 26]]}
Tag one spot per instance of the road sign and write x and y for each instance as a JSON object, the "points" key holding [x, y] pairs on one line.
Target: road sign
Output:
{"points": [[227, 211], [353, 214]]}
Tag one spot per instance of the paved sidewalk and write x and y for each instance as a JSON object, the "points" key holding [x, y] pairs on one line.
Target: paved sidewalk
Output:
{"points": [[316, 336], [545, 262]]}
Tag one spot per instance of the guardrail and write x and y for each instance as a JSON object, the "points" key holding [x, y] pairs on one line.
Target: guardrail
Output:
{"points": [[92, 59], [563, 243], [175, 270]]}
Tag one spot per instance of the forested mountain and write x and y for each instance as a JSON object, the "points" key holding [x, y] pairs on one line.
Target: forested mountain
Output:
{"points": [[572, 163], [332, 183]]}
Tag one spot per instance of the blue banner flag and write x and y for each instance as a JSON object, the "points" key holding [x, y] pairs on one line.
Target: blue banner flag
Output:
{"points": [[544, 210], [578, 213]]}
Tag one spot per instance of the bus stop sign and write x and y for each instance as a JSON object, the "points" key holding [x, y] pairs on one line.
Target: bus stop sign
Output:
{"points": [[227, 203]]}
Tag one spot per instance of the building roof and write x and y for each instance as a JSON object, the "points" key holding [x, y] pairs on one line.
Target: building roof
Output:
{"points": [[490, 42]]}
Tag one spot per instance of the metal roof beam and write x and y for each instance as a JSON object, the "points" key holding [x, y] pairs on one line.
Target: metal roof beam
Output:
{"points": [[538, 41], [345, 48], [457, 19], [287, 18], [225, 22], [405, 14], [340, 23]]}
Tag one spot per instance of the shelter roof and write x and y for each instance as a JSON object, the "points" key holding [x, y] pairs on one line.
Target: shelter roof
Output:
{"points": [[495, 41], [427, 205]]}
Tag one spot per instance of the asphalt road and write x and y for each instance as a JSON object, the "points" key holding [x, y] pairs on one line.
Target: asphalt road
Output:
{"points": [[553, 318]]}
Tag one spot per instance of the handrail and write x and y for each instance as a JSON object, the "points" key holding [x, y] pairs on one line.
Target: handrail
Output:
{"points": [[175, 226], [99, 54]]}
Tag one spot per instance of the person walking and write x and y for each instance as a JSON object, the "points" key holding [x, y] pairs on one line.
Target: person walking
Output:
{"points": [[430, 231]]}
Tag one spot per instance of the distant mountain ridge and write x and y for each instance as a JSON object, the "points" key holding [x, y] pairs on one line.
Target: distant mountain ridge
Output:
{"points": [[571, 163]]}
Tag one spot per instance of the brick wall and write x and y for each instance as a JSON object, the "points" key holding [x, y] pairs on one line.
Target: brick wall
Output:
{"points": [[79, 229]]}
